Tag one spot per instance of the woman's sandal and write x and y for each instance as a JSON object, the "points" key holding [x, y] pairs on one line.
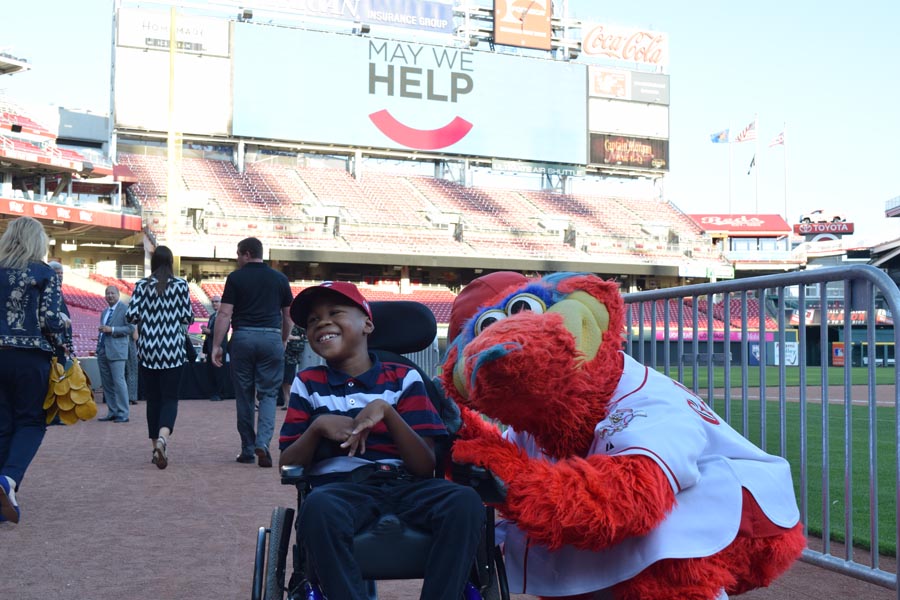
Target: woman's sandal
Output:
{"points": [[159, 453]]}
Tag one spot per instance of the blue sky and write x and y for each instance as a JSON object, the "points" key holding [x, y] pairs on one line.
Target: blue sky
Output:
{"points": [[827, 70]]}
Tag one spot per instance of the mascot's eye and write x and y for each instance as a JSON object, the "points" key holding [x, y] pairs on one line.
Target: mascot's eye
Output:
{"points": [[522, 302], [488, 318]]}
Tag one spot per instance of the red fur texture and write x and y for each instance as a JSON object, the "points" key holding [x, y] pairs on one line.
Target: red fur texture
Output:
{"points": [[527, 372]]}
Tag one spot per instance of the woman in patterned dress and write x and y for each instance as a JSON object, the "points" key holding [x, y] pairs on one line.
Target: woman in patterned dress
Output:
{"points": [[161, 307], [31, 295]]}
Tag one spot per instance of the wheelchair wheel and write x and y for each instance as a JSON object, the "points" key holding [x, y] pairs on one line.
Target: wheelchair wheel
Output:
{"points": [[259, 564], [498, 586], [276, 555]]}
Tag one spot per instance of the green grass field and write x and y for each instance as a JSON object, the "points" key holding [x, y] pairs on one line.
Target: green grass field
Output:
{"points": [[858, 376], [842, 470]]}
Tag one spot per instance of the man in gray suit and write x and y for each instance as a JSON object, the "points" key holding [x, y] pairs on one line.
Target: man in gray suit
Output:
{"points": [[112, 354]]}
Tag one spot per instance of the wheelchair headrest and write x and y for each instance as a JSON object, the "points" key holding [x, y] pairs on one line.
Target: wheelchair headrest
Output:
{"points": [[402, 326]]}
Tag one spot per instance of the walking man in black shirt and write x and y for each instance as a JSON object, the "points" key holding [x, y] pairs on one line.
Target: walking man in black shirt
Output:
{"points": [[256, 305]]}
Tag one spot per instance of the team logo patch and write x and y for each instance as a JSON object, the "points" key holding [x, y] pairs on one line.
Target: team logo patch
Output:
{"points": [[703, 410], [618, 421]]}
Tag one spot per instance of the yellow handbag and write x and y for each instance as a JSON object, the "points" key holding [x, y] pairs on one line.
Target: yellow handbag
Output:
{"points": [[69, 394]]}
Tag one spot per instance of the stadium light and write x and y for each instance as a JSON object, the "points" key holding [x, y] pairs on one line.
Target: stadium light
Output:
{"points": [[68, 247]]}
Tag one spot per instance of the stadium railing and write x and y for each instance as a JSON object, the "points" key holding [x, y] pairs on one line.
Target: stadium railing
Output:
{"points": [[798, 389]]}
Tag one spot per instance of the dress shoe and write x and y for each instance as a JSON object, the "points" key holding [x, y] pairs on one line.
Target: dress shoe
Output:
{"points": [[264, 459], [215, 399], [132, 402], [245, 458], [108, 418], [120, 420]]}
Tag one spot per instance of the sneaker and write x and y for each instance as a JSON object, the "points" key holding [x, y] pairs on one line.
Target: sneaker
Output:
{"points": [[162, 461], [245, 458], [9, 508], [264, 459]]}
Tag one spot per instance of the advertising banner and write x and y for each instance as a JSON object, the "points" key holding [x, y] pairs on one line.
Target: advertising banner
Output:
{"points": [[202, 73], [149, 30], [69, 214], [746, 225], [515, 166], [523, 23], [641, 46], [838, 228], [628, 118], [428, 15], [619, 84], [629, 152], [327, 88]]}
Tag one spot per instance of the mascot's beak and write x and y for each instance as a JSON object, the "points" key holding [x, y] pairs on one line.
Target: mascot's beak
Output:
{"points": [[491, 354], [586, 318]]}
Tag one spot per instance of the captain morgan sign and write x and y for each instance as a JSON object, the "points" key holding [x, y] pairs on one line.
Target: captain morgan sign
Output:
{"points": [[316, 87]]}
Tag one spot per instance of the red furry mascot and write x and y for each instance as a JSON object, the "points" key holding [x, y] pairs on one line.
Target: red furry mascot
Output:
{"points": [[620, 482]]}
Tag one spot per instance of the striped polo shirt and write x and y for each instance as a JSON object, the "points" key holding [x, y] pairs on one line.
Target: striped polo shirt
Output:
{"points": [[324, 391]]}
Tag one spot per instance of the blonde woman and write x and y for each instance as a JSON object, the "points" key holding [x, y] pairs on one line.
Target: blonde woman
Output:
{"points": [[30, 294]]}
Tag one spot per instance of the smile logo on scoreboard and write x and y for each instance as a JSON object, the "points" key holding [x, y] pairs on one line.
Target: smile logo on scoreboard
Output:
{"points": [[420, 139], [399, 72]]}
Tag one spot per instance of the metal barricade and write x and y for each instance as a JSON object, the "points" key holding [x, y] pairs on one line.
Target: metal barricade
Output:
{"points": [[701, 333]]}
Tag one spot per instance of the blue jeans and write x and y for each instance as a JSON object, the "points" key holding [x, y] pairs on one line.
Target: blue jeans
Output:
{"points": [[333, 513], [24, 376], [257, 366]]}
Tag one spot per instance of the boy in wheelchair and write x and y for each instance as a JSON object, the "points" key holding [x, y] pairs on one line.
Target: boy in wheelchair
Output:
{"points": [[358, 407]]}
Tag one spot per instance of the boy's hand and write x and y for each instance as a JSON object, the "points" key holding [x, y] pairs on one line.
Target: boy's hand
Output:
{"points": [[334, 427], [367, 418]]}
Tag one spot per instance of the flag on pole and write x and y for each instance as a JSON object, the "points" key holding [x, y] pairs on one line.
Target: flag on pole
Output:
{"points": [[720, 137], [747, 134], [752, 164], [778, 141]]}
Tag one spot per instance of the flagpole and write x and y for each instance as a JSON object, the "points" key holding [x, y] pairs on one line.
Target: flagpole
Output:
{"points": [[756, 178], [730, 185], [785, 162]]}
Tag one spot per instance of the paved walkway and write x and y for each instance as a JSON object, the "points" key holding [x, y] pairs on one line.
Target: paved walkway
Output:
{"points": [[100, 522]]}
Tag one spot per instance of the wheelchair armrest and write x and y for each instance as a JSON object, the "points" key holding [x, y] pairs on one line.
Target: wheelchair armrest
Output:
{"points": [[491, 488], [293, 475]]}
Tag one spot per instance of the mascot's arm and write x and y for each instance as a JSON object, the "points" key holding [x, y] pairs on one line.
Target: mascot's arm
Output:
{"points": [[475, 426], [591, 503]]}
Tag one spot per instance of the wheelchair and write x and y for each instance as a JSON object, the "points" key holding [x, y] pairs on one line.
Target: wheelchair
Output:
{"points": [[402, 327]]}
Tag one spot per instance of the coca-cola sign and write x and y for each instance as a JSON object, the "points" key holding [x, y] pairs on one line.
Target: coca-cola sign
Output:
{"points": [[631, 45], [840, 227]]}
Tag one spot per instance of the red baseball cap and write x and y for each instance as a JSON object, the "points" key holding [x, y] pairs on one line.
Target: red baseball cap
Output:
{"points": [[304, 300], [477, 294]]}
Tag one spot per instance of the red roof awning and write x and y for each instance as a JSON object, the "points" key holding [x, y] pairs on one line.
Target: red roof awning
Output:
{"points": [[124, 174]]}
